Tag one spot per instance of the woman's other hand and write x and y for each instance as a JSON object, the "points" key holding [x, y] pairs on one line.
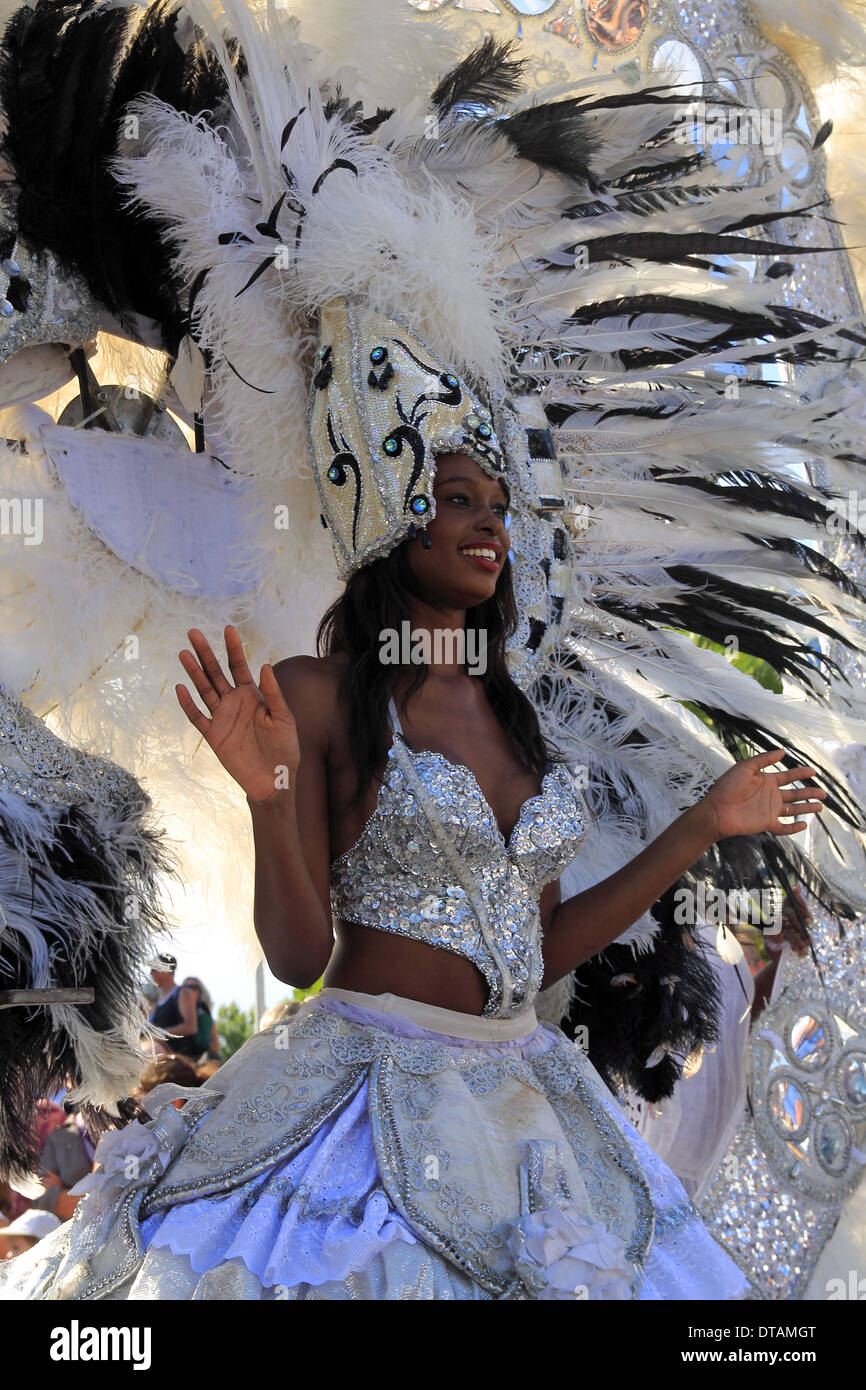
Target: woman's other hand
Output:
{"points": [[251, 728], [749, 799]]}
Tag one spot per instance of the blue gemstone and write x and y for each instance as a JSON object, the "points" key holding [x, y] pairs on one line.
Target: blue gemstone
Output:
{"points": [[485, 431], [6, 308], [419, 505], [378, 354], [831, 1143], [450, 379], [855, 1080], [808, 1038], [391, 445]]}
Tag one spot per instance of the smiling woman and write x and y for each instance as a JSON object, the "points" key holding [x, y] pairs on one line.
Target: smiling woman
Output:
{"points": [[287, 1177], [483, 540]]}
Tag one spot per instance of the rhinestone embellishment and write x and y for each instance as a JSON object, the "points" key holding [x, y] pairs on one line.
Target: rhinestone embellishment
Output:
{"points": [[432, 864]]}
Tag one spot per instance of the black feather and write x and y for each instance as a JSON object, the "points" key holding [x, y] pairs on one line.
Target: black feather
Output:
{"points": [[735, 326], [37, 1056], [558, 135], [758, 492], [712, 610], [486, 77], [674, 1000], [67, 71], [823, 134], [816, 563], [555, 135]]}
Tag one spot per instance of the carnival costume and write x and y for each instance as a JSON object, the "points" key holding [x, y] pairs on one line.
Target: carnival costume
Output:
{"points": [[306, 247], [376, 1147]]}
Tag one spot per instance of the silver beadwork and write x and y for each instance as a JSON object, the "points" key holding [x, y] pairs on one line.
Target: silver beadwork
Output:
{"points": [[38, 765], [432, 864]]}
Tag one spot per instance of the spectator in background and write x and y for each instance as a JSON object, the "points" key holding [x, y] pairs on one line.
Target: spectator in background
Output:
{"points": [[207, 1038], [180, 1070], [795, 919], [66, 1158], [25, 1231], [176, 1010], [50, 1115], [149, 996]]}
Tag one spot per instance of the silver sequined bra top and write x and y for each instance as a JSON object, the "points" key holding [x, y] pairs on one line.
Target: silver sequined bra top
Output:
{"points": [[432, 864]]}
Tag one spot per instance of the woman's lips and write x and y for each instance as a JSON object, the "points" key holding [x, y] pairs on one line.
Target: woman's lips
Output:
{"points": [[482, 561]]}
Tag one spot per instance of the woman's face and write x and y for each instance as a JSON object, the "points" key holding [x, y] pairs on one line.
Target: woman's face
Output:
{"points": [[470, 517]]}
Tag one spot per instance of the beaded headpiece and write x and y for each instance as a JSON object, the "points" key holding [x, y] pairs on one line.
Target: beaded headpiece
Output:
{"points": [[382, 407]]}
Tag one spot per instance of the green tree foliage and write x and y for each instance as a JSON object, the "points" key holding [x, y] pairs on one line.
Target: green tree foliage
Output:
{"points": [[753, 666], [234, 1026], [761, 671], [301, 994]]}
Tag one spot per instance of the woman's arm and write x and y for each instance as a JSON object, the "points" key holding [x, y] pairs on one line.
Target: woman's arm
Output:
{"points": [[57, 1198], [188, 1016], [292, 896], [746, 800], [583, 925], [258, 739]]}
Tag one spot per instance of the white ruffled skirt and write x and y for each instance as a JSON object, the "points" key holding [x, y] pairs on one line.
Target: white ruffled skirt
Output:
{"points": [[374, 1147]]}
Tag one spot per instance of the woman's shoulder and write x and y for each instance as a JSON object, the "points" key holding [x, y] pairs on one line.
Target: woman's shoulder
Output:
{"points": [[315, 674], [310, 687]]}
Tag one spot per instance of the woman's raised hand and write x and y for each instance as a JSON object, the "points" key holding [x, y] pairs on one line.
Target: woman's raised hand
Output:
{"points": [[748, 798], [251, 728]]}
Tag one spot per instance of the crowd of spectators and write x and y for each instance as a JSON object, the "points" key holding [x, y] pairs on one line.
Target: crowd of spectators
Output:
{"points": [[34, 1208], [188, 1055]]}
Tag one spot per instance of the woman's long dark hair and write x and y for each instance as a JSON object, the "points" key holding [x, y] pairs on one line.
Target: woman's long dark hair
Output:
{"points": [[377, 597]]}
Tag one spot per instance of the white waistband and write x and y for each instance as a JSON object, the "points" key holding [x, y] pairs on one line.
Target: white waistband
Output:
{"points": [[437, 1020]]}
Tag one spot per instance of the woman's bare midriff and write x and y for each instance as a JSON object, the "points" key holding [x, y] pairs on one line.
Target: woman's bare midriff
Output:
{"points": [[377, 962]]}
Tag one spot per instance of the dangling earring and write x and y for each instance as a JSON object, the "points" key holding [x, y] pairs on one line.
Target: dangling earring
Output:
{"points": [[426, 539]]}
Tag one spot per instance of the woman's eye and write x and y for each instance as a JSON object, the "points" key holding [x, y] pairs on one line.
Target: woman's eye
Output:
{"points": [[499, 507]]}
